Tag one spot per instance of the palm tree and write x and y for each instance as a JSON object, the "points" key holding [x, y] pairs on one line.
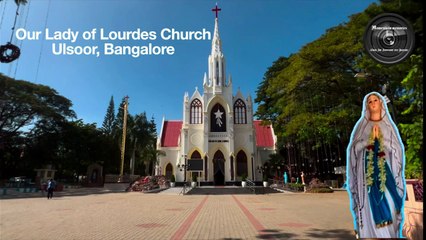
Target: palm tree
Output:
{"points": [[151, 157], [142, 141]]}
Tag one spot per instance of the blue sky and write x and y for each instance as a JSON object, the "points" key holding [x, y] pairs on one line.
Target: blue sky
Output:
{"points": [[254, 33]]}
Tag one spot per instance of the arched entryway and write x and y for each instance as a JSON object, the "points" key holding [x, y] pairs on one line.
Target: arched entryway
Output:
{"points": [[195, 155], [219, 168], [169, 171], [242, 164]]}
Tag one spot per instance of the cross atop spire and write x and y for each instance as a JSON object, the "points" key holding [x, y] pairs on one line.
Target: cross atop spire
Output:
{"points": [[216, 9], [216, 59]]}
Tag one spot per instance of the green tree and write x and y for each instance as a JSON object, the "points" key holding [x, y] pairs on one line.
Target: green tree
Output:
{"points": [[413, 131], [71, 148], [23, 103], [84, 144], [25, 106], [108, 123], [143, 139], [267, 104], [118, 122], [313, 99]]}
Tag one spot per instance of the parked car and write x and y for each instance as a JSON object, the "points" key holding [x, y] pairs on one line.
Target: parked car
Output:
{"points": [[18, 179]]}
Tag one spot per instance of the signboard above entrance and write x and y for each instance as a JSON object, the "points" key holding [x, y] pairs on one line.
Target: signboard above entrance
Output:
{"points": [[195, 165]]}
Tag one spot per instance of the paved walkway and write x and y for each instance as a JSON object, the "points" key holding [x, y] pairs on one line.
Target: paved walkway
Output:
{"points": [[97, 214]]}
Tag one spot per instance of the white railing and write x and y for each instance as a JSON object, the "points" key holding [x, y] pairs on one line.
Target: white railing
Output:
{"points": [[251, 185]]}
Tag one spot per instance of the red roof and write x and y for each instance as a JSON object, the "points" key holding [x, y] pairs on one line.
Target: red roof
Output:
{"points": [[171, 133], [264, 134]]}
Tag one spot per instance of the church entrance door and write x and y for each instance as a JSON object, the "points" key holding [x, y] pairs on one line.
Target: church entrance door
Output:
{"points": [[219, 176], [219, 169]]}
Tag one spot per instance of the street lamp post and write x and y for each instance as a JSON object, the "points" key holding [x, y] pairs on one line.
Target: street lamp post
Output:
{"points": [[183, 166]]}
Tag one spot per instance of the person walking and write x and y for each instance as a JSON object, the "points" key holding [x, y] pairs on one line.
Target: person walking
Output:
{"points": [[50, 187]]}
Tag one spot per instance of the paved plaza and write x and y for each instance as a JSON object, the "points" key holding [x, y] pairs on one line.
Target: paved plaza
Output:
{"points": [[98, 214]]}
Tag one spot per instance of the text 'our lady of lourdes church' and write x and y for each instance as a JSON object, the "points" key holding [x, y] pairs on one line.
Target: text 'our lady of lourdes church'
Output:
{"points": [[218, 140]]}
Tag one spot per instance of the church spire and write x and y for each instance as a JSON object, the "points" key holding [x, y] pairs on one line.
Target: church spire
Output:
{"points": [[216, 58], [216, 43]]}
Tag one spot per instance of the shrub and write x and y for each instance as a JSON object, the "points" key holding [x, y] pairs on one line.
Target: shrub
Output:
{"points": [[316, 183], [194, 177], [320, 190], [243, 177], [153, 179], [296, 186], [172, 178], [316, 186]]}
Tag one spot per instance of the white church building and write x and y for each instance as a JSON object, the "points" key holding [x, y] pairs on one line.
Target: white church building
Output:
{"points": [[217, 139]]}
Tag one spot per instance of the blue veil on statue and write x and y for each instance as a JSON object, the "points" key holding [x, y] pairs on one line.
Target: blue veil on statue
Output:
{"points": [[375, 172]]}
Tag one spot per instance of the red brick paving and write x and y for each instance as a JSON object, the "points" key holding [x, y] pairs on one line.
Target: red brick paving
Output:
{"points": [[152, 216], [253, 220], [151, 225], [180, 233], [294, 225]]}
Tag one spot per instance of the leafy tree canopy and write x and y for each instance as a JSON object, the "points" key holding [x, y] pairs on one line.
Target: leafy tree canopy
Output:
{"points": [[314, 100], [23, 104]]}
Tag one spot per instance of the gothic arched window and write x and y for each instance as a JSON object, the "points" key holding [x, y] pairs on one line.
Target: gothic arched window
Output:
{"points": [[223, 73], [217, 73], [196, 155], [240, 113], [196, 114]]}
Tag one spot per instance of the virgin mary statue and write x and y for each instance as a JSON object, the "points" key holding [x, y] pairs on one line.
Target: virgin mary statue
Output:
{"points": [[375, 172]]}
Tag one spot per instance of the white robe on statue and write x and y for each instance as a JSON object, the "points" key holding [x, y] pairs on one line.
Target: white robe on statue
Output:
{"points": [[356, 173]]}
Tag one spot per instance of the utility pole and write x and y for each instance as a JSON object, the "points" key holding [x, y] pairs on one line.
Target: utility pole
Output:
{"points": [[123, 139], [132, 160]]}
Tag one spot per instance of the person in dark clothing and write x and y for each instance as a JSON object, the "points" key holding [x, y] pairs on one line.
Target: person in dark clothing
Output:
{"points": [[50, 187]]}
